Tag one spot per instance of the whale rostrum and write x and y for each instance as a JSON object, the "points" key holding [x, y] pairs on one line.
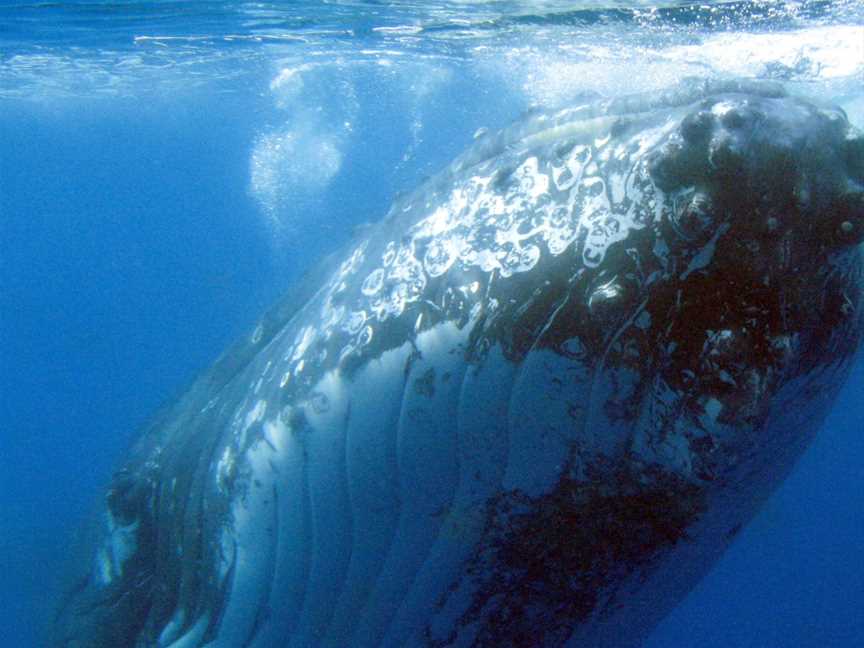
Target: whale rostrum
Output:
{"points": [[530, 407]]}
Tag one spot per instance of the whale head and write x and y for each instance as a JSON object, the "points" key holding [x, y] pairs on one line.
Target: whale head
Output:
{"points": [[763, 218]]}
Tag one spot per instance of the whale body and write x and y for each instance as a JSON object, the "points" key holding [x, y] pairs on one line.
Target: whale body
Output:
{"points": [[531, 407]]}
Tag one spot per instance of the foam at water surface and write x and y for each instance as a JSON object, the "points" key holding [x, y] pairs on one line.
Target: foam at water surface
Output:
{"points": [[84, 48]]}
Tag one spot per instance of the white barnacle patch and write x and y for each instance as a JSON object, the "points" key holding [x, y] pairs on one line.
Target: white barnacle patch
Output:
{"points": [[564, 177], [304, 339], [532, 183], [561, 228], [593, 191], [520, 260], [570, 184], [373, 283], [389, 254], [346, 352], [440, 255], [331, 317], [408, 271], [617, 185], [350, 265], [603, 226], [365, 336], [354, 322], [242, 422]]}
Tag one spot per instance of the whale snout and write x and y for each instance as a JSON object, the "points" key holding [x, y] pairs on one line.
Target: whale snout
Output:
{"points": [[770, 166]]}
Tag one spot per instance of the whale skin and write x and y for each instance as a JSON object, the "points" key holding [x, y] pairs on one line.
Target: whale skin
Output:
{"points": [[530, 407]]}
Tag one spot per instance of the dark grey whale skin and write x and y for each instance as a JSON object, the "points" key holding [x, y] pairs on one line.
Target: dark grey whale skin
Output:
{"points": [[531, 407]]}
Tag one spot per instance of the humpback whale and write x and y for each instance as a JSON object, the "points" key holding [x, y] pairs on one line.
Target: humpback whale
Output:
{"points": [[530, 407]]}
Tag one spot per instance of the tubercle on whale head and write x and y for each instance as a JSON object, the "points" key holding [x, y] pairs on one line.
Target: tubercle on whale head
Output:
{"points": [[769, 167], [775, 188]]}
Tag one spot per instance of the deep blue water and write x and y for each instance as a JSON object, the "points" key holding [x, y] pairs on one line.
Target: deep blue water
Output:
{"points": [[167, 169]]}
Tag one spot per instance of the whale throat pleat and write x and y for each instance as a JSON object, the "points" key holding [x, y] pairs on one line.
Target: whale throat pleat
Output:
{"points": [[372, 480], [327, 413]]}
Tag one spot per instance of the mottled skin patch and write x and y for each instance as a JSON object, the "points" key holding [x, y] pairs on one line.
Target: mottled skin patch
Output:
{"points": [[546, 562]]}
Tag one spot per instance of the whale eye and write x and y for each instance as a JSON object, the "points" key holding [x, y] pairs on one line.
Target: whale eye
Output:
{"points": [[694, 217]]}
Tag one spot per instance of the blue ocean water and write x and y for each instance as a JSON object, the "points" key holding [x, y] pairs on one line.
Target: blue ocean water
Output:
{"points": [[168, 168]]}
